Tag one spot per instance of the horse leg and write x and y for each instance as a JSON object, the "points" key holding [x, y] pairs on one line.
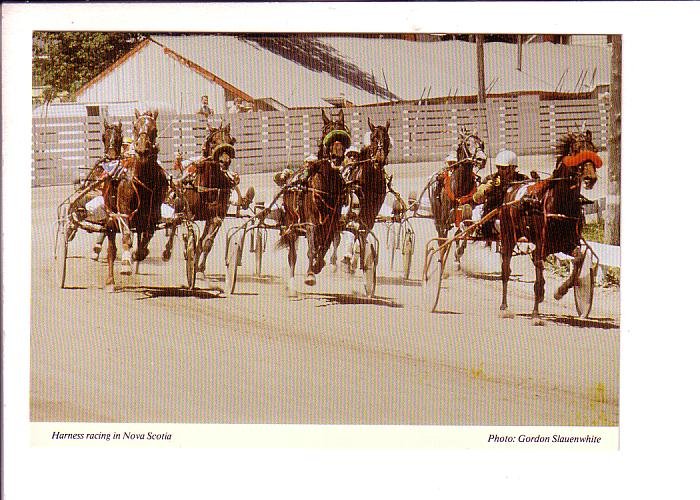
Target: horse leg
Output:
{"points": [[207, 242], [111, 257], [576, 271], [292, 261], [506, 255], [334, 254], [538, 261], [144, 238], [201, 243], [127, 239], [310, 279], [168, 250], [97, 246], [459, 251]]}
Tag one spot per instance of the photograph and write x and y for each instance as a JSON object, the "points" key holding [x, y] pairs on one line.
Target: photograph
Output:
{"points": [[306, 228]]}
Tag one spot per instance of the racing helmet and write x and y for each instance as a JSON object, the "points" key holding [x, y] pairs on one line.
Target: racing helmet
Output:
{"points": [[506, 158]]}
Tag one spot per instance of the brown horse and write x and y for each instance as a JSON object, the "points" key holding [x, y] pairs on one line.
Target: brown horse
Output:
{"points": [[133, 199], [313, 208], [367, 179], [455, 185], [207, 197], [548, 214], [335, 139], [112, 139]]}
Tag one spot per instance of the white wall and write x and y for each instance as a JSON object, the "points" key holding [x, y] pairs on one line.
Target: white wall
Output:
{"points": [[154, 79]]}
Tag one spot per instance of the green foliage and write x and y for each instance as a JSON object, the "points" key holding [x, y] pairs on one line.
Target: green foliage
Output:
{"points": [[594, 232], [65, 61]]}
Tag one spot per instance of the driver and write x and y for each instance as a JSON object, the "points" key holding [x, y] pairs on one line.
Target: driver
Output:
{"points": [[490, 194]]}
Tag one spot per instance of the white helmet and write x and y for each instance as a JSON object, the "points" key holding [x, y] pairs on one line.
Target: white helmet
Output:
{"points": [[353, 149], [451, 158], [310, 158], [506, 158]]}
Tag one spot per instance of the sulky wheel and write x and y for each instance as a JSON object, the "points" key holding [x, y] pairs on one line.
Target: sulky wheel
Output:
{"points": [[258, 250], [407, 252], [190, 243], [584, 287], [61, 254], [432, 280], [370, 269], [391, 244], [234, 254]]}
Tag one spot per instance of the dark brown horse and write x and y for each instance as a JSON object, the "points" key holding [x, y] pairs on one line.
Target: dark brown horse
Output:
{"points": [[313, 208], [133, 199], [112, 139], [367, 180], [335, 139], [548, 214], [206, 196], [455, 185]]}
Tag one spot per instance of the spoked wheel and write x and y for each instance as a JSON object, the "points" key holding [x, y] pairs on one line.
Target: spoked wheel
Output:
{"points": [[392, 244], [61, 254], [234, 254], [370, 269], [190, 243], [584, 286], [407, 252], [258, 250], [432, 280]]}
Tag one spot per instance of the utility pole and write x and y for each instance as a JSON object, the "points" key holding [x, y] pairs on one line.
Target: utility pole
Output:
{"points": [[480, 68], [611, 233]]}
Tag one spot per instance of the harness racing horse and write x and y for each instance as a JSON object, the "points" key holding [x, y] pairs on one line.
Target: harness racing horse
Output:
{"points": [[207, 198], [548, 213], [133, 198], [335, 139], [455, 185], [112, 139], [312, 208], [368, 181]]}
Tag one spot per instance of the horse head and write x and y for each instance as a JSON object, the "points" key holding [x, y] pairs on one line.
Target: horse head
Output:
{"points": [[379, 143], [145, 133], [335, 138], [219, 145], [470, 150], [112, 139], [578, 159]]}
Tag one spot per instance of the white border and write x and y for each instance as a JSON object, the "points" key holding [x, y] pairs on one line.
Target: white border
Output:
{"points": [[659, 342]]}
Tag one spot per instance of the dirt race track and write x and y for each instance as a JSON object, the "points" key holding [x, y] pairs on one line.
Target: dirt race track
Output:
{"points": [[151, 351]]}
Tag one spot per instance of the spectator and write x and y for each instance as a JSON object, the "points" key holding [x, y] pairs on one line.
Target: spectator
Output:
{"points": [[204, 109]]}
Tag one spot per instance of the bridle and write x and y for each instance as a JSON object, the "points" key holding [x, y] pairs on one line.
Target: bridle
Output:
{"points": [[112, 141], [382, 145], [471, 157], [149, 135]]}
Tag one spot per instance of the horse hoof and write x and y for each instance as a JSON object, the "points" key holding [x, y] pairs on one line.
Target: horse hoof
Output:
{"points": [[559, 294], [95, 256], [166, 255], [334, 268], [310, 280], [537, 321], [125, 268], [506, 314]]}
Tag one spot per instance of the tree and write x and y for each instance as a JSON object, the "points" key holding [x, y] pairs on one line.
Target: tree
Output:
{"points": [[64, 61]]}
